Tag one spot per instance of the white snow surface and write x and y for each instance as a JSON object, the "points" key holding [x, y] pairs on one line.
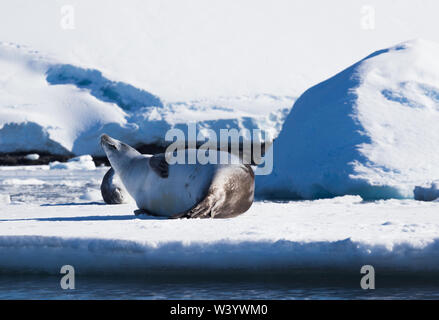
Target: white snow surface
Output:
{"points": [[370, 130], [5, 199], [32, 156], [135, 68], [82, 162], [48, 226]]}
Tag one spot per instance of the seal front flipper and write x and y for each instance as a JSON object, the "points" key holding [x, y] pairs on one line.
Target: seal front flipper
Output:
{"points": [[159, 164]]}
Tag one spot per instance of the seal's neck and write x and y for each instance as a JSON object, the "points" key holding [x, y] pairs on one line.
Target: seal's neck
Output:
{"points": [[133, 173]]}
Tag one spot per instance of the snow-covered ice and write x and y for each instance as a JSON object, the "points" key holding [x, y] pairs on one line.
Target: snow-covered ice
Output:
{"points": [[92, 195], [17, 182], [44, 228], [82, 162], [5, 199], [370, 130], [136, 70], [41, 185]]}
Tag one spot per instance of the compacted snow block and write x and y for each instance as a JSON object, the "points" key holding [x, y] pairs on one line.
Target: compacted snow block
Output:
{"points": [[84, 162], [371, 130]]}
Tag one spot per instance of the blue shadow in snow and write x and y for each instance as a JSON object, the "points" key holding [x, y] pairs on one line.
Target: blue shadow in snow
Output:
{"points": [[89, 218], [124, 95], [73, 204]]}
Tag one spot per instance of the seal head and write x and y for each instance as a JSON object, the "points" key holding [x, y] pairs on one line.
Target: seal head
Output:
{"points": [[119, 154]]}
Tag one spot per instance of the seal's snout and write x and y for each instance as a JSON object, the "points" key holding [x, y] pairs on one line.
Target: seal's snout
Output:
{"points": [[106, 140]]}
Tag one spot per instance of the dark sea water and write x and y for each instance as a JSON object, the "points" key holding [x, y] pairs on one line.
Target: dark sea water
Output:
{"points": [[219, 287]]}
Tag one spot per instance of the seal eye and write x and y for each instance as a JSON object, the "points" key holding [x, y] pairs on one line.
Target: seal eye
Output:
{"points": [[112, 146]]}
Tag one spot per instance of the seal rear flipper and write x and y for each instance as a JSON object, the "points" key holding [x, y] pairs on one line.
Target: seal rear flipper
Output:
{"points": [[207, 208], [201, 210], [159, 164]]}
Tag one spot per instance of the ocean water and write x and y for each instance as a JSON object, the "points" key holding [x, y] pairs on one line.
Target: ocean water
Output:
{"points": [[222, 287]]}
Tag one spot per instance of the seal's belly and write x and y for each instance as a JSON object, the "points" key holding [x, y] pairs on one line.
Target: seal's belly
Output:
{"points": [[185, 186]]}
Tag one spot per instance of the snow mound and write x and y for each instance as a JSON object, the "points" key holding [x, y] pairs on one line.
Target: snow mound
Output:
{"points": [[46, 105], [429, 193], [370, 130], [25, 135], [78, 163]]}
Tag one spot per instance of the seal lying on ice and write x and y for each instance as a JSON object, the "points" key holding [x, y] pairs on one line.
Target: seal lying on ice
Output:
{"points": [[181, 190]]}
